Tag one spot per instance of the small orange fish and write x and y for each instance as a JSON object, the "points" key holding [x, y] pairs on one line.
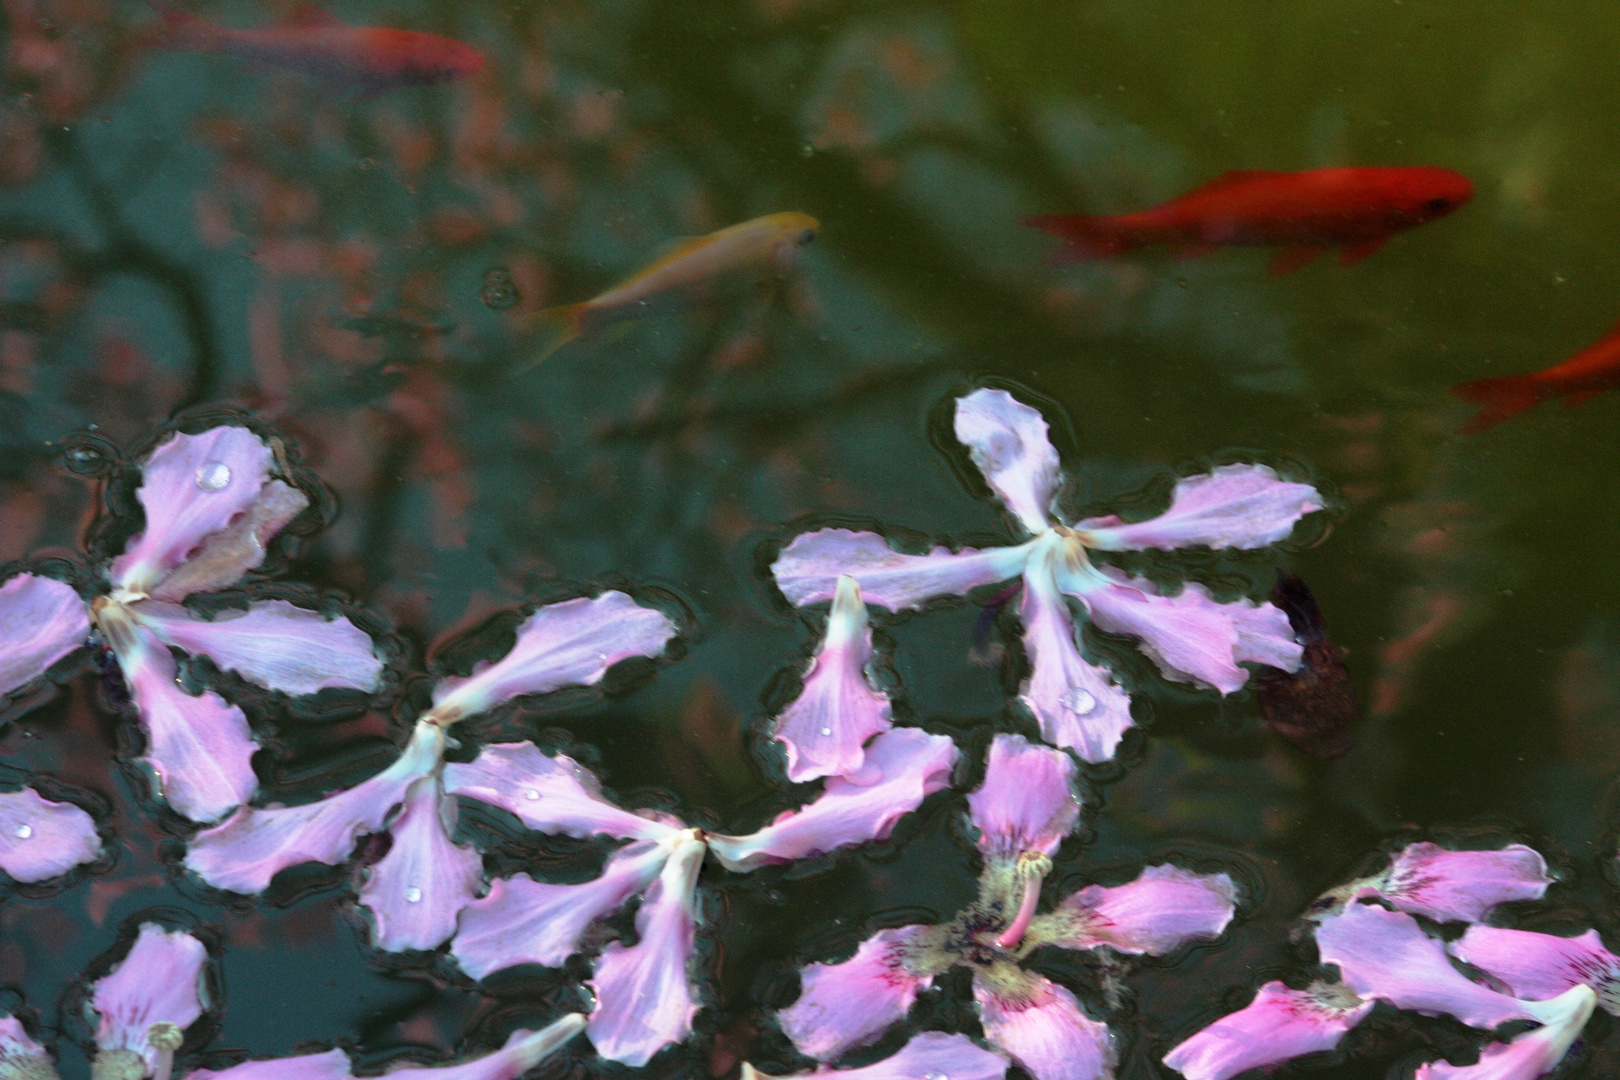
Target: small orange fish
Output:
{"points": [[1577, 380], [1354, 209], [376, 58], [770, 240]]}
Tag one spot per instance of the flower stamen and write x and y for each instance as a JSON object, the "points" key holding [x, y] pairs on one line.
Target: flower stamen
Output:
{"points": [[1032, 868]]}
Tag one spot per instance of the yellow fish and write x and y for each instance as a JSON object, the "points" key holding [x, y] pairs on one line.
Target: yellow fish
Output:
{"points": [[769, 240]]}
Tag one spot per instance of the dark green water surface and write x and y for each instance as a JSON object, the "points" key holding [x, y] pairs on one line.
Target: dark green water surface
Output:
{"points": [[178, 230]]}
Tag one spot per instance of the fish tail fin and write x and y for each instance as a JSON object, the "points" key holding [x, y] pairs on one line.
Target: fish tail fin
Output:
{"points": [[1500, 399], [554, 328], [1084, 236]]}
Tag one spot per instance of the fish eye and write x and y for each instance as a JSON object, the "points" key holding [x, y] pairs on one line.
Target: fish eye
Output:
{"points": [[806, 236], [1436, 205]]}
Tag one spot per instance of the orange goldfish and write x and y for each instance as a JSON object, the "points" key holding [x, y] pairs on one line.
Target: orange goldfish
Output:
{"points": [[374, 57], [769, 240], [1354, 209], [1577, 380]]}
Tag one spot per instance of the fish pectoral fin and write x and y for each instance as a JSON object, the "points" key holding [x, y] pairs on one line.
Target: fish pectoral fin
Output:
{"points": [[1235, 178], [1351, 254], [1581, 397], [1290, 259]]}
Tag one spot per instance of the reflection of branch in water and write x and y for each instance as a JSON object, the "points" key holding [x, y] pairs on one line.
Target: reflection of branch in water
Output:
{"points": [[126, 253]]}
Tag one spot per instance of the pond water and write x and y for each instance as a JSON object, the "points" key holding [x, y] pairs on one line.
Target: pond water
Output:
{"points": [[361, 269]]}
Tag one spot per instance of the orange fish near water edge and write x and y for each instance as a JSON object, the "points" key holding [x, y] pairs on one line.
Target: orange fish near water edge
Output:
{"points": [[313, 42], [1355, 209], [770, 240], [1577, 380]]}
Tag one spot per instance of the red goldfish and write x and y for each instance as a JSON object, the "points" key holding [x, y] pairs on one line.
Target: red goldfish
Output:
{"points": [[374, 57], [1354, 209], [1577, 380]]}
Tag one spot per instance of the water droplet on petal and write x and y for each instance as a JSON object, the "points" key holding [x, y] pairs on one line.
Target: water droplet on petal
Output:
{"points": [[413, 894], [935, 1076], [213, 475], [24, 831], [532, 795], [1079, 702], [826, 731]]}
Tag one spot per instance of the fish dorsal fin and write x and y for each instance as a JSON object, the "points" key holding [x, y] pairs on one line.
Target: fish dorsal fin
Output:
{"points": [[310, 17], [1235, 178]]}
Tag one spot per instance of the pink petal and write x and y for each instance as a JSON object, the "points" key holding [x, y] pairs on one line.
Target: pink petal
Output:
{"points": [[1190, 636], [808, 569], [929, 1056], [644, 996], [200, 747], [159, 981], [1077, 703], [416, 890], [849, 1004], [1163, 909], [239, 547], [1385, 954], [549, 794], [332, 1065], [272, 644], [523, 921], [41, 621], [1279, 1024], [1530, 1054], [1028, 800], [1233, 506], [906, 766], [1007, 441], [41, 839], [1456, 886], [191, 487], [246, 850], [1047, 1033], [1542, 966], [522, 1052], [826, 727], [568, 644], [22, 1058]]}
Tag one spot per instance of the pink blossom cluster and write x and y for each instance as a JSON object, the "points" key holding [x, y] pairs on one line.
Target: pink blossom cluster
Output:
{"points": [[1022, 811], [1381, 934], [1076, 701]]}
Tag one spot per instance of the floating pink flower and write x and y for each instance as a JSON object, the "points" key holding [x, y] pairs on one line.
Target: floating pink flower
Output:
{"points": [[1024, 808], [1076, 702], [1387, 955], [212, 501], [417, 890], [647, 993]]}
